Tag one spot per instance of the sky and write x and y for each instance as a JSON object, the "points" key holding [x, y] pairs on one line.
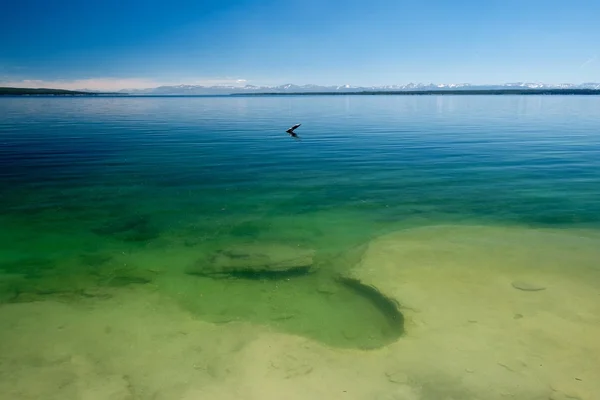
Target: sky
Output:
{"points": [[126, 44]]}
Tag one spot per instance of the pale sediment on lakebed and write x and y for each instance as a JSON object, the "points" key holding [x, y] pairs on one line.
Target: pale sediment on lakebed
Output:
{"points": [[468, 332]]}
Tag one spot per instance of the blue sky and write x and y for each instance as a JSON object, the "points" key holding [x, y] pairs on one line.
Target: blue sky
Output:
{"points": [[121, 44]]}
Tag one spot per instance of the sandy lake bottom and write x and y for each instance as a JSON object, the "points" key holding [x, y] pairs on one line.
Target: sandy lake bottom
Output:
{"points": [[488, 313]]}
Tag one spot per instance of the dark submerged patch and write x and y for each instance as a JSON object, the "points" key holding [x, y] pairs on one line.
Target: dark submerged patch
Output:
{"points": [[387, 306]]}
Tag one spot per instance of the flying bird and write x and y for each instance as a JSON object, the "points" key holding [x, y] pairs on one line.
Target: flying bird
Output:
{"points": [[292, 129]]}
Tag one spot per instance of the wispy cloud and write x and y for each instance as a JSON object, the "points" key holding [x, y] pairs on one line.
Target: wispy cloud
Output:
{"points": [[115, 83], [589, 61]]}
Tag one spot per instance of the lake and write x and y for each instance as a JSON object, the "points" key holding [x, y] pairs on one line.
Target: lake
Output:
{"points": [[342, 239]]}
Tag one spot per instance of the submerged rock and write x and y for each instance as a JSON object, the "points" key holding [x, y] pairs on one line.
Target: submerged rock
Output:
{"points": [[256, 261], [527, 286]]}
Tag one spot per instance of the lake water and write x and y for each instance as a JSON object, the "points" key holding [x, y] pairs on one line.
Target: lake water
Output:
{"points": [[114, 194]]}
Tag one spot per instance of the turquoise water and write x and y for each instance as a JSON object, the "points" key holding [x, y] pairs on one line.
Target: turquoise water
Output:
{"points": [[98, 194]]}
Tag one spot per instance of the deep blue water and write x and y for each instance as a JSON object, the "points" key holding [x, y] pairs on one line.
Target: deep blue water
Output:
{"points": [[532, 160]]}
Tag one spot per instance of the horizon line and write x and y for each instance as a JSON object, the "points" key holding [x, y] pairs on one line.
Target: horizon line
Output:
{"points": [[134, 84]]}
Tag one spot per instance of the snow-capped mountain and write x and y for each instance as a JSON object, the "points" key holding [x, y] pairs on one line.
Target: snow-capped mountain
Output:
{"points": [[292, 88]]}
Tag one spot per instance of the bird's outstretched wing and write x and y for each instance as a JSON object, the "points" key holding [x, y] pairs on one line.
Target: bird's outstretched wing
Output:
{"points": [[293, 127]]}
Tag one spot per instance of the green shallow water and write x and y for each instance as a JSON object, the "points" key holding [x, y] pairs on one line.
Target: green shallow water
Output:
{"points": [[98, 194]]}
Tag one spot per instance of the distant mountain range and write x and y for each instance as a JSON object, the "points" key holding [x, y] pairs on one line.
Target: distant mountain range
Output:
{"points": [[291, 88], [411, 88]]}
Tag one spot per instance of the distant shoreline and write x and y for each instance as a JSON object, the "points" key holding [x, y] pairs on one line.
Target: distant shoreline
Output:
{"points": [[439, 92], [8, 91]]}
